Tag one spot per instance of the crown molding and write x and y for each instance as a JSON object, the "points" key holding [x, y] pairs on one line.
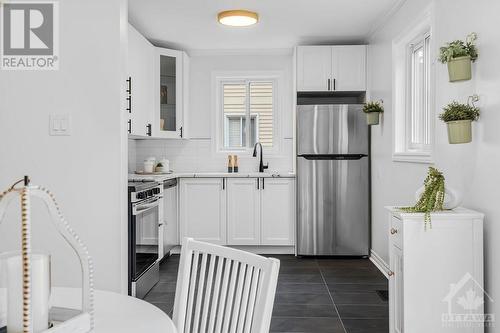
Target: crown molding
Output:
{"points": [[384, 19], [239, 52]]}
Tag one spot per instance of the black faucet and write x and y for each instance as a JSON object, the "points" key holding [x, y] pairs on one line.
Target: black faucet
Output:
{"points": [[262, 167]]}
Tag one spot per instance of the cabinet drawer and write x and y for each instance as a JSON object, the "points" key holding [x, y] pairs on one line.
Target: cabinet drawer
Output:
{"points": [[396, 232]]}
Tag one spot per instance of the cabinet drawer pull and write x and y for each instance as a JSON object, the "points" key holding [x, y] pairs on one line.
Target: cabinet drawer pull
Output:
{"points": [[328, 84], [394, 231], [390, 273], [334, 84]]}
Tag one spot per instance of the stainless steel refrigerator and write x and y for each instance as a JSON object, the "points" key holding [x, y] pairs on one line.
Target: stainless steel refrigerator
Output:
{"points": [[332, 180]]}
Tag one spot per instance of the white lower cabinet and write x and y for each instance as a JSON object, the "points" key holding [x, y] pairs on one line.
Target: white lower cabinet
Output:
{"points": [[436, 273], [203, 209], [277, 211], [243, 207], [238, 211]]}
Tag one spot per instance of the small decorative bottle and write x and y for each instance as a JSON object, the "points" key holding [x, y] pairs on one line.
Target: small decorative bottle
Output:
{"points": [[229, 163], [235, 163]]}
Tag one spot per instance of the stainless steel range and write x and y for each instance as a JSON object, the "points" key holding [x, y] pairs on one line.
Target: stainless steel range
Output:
{"points": [[145, 200]]}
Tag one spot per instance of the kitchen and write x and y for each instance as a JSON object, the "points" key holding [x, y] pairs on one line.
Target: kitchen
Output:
{"points": [[305, 136]]}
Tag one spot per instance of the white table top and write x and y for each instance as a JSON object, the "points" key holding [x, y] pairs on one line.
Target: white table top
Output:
{"points": [[117, 313]]}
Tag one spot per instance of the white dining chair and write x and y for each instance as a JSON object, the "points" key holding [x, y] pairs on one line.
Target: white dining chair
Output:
{"points": [[221, 290]]}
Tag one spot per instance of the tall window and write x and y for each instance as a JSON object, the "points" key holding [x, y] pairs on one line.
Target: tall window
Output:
{"points": [[413, 92], [247, 113], [418, 98]]}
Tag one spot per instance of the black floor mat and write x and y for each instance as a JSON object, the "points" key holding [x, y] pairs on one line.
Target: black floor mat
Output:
{"points": [[383, 294]]}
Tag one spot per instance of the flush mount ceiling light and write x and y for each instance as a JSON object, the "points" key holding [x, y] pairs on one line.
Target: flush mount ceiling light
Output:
{"points": [[238, 18]]}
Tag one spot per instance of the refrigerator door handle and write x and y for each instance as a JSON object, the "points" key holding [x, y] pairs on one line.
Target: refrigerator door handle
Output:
{"points": [[333, 157]]}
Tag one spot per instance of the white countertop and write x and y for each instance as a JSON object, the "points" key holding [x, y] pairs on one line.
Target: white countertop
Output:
{"points": [[163, 177]]}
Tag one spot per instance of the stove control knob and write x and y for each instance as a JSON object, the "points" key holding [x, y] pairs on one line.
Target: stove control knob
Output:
{"points": [[141, 195], [156, 190], [150, 193]]}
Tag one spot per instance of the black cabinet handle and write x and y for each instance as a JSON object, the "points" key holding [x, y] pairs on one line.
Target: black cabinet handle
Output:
{"points": [[223, 183], [258, 183], [181, 131], [129, 104], [148, 126], [129, 89], [263, 182], [130, 125], [334, 84], [328, 84]]}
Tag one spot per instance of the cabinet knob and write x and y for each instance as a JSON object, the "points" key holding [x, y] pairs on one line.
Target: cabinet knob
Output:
{"points": [[390, 273], [394, 231]]}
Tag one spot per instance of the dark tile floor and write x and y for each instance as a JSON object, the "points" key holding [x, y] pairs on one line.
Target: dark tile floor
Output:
{"points": [[313, 295]]}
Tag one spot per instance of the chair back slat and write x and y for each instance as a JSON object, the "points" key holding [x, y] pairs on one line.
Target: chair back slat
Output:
{"points": [[223, 290], [208, 293], [252, 301]]}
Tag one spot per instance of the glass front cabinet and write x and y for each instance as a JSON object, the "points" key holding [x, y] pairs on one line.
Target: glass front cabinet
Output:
{"points": [[171, 94]]}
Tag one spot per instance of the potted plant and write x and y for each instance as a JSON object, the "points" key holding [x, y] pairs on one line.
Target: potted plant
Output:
{"points": [[373, 110], [459, 55], [458, 118], [432, 198]]}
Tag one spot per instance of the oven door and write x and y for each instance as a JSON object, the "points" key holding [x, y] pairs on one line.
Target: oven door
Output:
{"points": [[143, 234]]}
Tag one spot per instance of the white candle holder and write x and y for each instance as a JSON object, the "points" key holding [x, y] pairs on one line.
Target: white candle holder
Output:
{"points": [[26, 284]]}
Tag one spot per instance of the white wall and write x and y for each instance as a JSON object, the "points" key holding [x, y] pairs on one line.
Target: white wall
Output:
{"points": [[198, 153], [87, 170], [470, 168]]}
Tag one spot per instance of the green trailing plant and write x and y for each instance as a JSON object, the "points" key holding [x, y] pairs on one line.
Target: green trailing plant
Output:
{"points": [[459, 48], [373, 107], [458, 111], [432, 198]]}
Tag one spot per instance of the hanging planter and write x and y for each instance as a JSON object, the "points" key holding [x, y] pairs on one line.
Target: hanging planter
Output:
{"points": [[373, 111], [458, 118], [459, 56]]}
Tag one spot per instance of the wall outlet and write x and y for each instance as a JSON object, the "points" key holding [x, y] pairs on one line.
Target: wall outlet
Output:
{"points": [[59, 124]]}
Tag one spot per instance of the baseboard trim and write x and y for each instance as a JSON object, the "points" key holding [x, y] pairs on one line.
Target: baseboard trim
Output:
{"points": [[379, 263], [254, 249]]}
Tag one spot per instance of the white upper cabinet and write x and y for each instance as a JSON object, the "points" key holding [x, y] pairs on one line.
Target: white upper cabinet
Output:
{"points": [[277, 211], [349, 68], [171, 93], [203, 209], [314, 68], [243, 207], [331, 68], [140, 104]]}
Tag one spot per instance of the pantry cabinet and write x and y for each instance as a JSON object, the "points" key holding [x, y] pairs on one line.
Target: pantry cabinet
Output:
{"points": [[238, 211], [434, 270], [203, 209], [140, 106], [331, 68]]}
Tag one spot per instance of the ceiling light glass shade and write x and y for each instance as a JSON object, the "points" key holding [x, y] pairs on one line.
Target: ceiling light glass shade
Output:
{"points": [[238, 18]]}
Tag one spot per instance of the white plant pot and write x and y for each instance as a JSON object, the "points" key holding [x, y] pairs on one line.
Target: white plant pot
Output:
{"points": [[452, 198]]}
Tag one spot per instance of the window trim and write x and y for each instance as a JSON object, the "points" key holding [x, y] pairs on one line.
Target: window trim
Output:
{"points": [[276, 77], [401, 88]]}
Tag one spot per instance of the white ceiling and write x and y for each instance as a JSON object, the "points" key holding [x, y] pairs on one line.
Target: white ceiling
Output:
{"points": [[192, 24]]}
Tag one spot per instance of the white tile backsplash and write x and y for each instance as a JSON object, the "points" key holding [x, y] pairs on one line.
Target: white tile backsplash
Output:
{"points": [[198, 155]]}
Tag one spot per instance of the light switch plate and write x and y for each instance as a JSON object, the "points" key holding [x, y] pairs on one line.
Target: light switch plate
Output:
{"points": [[59, 124]]}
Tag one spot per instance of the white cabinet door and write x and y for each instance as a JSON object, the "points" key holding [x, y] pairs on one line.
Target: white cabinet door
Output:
{"points": [[171, 234], [243, 211], [349, 68], [203, 209], [314, 68], [277, 211], [396, 290], [171, 77], [141, 73]]}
